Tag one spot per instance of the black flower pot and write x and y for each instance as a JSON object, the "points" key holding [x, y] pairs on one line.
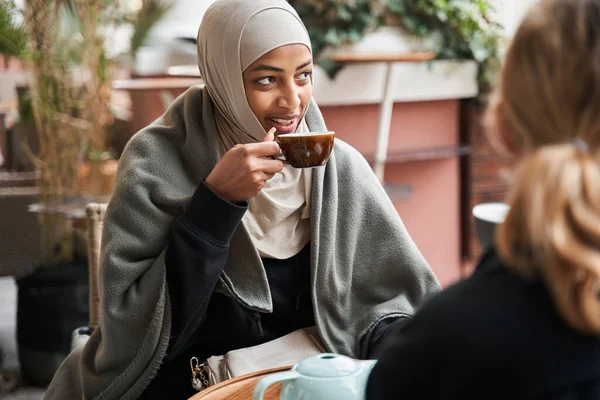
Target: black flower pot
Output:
{"points": [[51, 303]]}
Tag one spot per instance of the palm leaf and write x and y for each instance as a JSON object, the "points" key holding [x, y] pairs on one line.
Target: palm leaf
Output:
{"points": [[150, 13], [12, 35]]}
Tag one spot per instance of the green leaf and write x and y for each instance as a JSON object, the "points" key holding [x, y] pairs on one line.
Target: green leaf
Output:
{"points": [[441, 14], [332, 37], [343, 13], [103, 67], [330, 67], [479, 49], [354, 36], [12, 34], [397, 6], [150, 13]]}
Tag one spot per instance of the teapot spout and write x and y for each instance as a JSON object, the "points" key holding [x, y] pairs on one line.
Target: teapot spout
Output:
{"points": [[366, 369], [368, 365]]}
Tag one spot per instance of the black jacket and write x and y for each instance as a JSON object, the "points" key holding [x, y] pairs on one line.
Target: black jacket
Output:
{"points": [[492, 336], [205, 323]]}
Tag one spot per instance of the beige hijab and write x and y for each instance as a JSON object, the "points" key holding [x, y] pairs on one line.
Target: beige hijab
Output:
{"points": [[234, 34]]}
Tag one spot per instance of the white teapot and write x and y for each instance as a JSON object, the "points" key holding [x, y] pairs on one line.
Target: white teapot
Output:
{"points": [[323, 377]]}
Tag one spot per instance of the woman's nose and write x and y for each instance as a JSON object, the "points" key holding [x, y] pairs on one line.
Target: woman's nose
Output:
{"points": [[289, 98]]}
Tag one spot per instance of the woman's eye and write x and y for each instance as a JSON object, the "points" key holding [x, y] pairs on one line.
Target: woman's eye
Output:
{"points": [[305, 75], [266, 80]]}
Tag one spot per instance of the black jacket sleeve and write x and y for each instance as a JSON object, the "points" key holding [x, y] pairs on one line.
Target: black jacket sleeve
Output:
{"points": [[195, 259], [408, 364], [384, 329]]}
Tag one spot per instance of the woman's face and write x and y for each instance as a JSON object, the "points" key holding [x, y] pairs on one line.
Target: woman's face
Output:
{"points": [[279, 87]]}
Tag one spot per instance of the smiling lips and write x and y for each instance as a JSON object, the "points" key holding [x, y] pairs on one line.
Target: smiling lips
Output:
{"points": [[284, 124]]}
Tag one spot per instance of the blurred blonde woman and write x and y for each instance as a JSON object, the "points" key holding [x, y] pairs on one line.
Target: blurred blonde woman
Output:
{"points": [[526, 325]]}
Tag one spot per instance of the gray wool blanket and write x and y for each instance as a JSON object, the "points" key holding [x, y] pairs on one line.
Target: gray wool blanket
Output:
{"points": [[365, 267]]}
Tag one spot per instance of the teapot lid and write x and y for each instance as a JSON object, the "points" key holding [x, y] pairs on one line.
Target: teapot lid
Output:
{"points": [[328, 365]]}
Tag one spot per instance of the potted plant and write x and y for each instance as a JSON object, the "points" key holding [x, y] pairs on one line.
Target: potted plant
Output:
{"points": [[463, 29], [12, 34], [12, 44], [69, 84], [142, 22], [69, 77]]}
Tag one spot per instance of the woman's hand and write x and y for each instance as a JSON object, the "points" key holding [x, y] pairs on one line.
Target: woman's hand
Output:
{"points": [[243, 171]]}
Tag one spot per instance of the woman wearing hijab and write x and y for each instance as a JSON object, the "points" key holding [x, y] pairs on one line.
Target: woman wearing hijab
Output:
{"points": [[526, 325], [211, 245]]}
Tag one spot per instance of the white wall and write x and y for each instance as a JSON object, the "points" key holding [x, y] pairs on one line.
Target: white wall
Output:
{"points": [[511, 12], [183, 19]]}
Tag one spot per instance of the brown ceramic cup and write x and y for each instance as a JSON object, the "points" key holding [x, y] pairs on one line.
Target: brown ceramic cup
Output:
{"points": [[306, 150]]}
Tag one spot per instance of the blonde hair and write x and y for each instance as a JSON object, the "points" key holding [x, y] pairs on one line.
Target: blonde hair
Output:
{"points": [[547, 102]]}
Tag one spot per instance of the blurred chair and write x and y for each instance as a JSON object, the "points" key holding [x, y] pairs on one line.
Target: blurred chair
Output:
{"points": [[95, 222]]}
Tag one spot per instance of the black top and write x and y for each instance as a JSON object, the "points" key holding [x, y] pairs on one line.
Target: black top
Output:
{"points": [[205, 323], [492, 336]]}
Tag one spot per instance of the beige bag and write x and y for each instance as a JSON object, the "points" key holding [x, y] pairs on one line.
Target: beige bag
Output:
{"points": [[288, 350]]}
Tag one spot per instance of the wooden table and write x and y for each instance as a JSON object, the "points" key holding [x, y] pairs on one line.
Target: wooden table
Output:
{"points": [[184, 71], [73, 209], [241, 388], [165, 86], [385, 113], [164, 83]]}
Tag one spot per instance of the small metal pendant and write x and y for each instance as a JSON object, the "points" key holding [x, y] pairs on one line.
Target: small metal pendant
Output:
{"points": [[199, 381], [197, 384]]}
